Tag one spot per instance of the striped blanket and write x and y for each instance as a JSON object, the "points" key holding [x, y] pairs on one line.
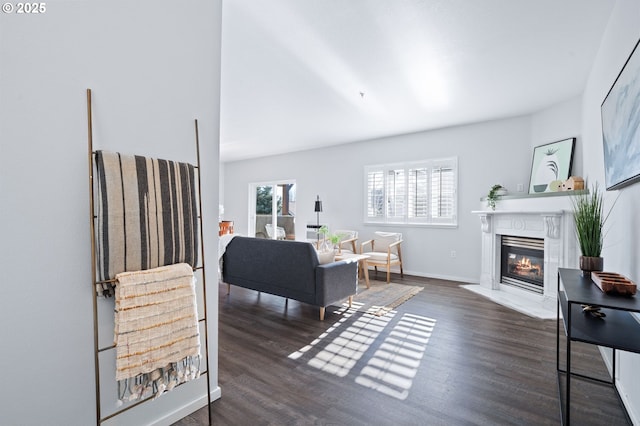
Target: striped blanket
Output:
{"points": [[156, 331], [147, 214]]}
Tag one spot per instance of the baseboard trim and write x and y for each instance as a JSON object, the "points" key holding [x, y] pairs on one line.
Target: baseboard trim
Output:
{"points": [[148, 414], [188, 408], [466, 280]]}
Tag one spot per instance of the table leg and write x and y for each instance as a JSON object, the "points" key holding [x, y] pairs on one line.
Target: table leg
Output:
{"points": [[567, 416], [365, 270]]}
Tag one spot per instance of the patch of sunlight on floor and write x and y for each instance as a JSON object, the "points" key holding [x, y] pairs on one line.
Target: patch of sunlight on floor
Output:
{"points": [[342, 353], [394, 365], [346, 314]]}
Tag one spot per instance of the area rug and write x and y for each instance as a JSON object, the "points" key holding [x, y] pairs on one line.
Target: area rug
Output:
{"points": [[381, 297]]}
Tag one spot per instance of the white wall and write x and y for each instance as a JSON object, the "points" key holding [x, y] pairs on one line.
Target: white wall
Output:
{"points": [[622, 243], [488, 153], [153, 67]]}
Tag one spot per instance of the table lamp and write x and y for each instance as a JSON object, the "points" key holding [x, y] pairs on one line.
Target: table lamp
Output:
{"points": [[318, 208]]}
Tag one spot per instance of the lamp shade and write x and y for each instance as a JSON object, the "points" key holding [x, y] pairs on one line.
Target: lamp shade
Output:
{"points": [[318, 206]]}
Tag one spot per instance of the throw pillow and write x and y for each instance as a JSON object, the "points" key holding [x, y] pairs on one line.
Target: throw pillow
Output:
{"points": [[326, 257]]}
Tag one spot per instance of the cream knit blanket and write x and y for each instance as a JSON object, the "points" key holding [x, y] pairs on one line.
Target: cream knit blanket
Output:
{"points": [[156, 330]]}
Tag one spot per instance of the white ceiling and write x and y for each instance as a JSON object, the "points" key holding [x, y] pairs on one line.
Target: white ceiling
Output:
{"points": [[293, 70]]}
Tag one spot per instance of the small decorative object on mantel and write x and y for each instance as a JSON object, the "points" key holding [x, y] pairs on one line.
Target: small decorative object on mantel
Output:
{"points": [[614, 283], [589, 220], [494, 194], [574, 183]]}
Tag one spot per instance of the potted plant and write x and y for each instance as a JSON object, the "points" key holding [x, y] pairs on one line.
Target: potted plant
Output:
{"points": [[495, 192], [334, 239], [589, 220]]}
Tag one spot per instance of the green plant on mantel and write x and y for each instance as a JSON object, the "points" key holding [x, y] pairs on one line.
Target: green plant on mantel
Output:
{"points": [[494, 195]]}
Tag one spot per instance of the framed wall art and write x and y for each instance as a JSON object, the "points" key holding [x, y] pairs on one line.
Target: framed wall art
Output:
{"points": [[551, 166], [621, 125]]}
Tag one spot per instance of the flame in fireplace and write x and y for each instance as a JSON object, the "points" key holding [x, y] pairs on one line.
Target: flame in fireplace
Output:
{"points": [[524, 266], [524, 263]]}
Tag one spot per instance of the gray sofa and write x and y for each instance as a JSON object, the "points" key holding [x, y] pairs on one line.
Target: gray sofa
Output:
{"points": [[289, 269]]}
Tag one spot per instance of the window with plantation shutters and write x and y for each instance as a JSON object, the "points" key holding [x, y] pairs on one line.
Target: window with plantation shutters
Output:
{"points": [[375, 194], [422, 192], [395, 193], [442, 193], [418, 196]]}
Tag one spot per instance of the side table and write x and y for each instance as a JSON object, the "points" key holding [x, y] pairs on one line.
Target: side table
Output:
{"points": [[619, 330]]}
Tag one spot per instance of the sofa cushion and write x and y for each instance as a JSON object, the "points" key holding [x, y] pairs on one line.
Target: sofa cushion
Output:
{"points": [[380, 257]]}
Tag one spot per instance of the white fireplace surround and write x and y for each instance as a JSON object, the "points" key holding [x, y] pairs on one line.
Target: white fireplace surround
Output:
{"points": [[555, 227]]}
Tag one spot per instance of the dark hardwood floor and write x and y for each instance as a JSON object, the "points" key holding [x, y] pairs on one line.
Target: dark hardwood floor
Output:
{"points": [[445, 357]]}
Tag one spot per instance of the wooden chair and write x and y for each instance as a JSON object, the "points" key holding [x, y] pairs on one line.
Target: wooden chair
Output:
{"points": [[280, 234], [347, 242], [384, 252]]}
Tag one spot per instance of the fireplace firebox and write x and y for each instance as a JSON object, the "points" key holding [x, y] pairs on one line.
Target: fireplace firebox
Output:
{"points": [[522, 263]]}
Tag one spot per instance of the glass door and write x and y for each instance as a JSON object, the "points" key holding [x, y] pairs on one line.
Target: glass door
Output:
{"points": [[272, 210]]}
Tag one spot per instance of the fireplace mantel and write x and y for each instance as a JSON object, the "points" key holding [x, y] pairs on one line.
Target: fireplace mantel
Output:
{"points": [[554, 226], [526, 221]]}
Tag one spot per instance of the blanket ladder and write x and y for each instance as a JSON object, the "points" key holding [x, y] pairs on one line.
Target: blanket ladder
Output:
{"points": [[98, 350]]}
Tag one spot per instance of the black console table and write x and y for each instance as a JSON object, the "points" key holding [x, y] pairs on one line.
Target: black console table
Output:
{"points": [[618, 330]]}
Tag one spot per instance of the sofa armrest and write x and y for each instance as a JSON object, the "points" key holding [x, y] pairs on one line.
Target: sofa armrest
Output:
{"points": [[335, 281]]}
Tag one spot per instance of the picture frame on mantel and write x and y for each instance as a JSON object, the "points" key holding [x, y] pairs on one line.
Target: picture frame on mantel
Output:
{"points": [[620, 113], [551, 165]]}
